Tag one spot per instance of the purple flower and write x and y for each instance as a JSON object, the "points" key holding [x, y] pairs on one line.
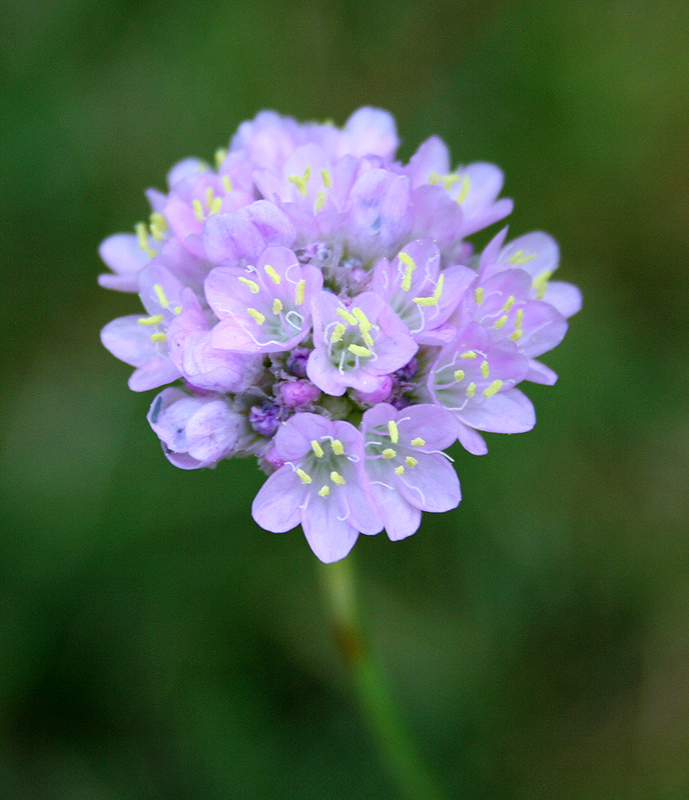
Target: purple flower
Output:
{"points": [[321, 485], [326, 312]]}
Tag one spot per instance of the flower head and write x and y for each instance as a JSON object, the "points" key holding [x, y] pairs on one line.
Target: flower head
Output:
{"points": [[323, 309]]}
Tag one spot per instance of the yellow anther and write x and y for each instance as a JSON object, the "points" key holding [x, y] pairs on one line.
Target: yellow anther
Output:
{"points": [[540, 283], [410, 461], [459, 375], [337, 333], [227, 183], [464, 189], [468, 355], [433, 178], [362, 319], [142, 238], [389, 453], [272, 274], [337, 479], [300, 291], [485, 369], [317, 449], [509, 303], [160, 294], [418, 442], [156, 319], [252, 286], [198, 210], [393, 431], [158, 226], [449, 180], [216, 205], [433, 300], [342, 313], [516, 335], [320, 200], [492, 389], [209, 196], [358, 350], [177, 309], [277, 306], [324, 491], [300, 181], [478, 295], [158, 337], [520, 258], [305, 477], [471, 389], [256, 315], [519, 317], [399, 470], [500, 322], [368, 339], [409, 267], [220, 156], [338, 447]]}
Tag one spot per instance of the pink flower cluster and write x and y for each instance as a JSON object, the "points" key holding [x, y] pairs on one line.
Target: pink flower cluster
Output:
{"points": [[318, 305]]}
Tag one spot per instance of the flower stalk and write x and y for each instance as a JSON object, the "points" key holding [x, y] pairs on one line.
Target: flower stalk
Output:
{"points": [[389, 728]]}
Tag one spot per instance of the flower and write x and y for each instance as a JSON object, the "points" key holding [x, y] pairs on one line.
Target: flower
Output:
{"points": [[319, 306]]}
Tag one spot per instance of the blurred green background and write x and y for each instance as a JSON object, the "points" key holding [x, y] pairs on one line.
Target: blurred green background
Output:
{"points": [[155, 644]]}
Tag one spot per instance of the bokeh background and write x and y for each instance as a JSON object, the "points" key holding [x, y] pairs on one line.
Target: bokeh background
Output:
{"points": [[155, 644]]}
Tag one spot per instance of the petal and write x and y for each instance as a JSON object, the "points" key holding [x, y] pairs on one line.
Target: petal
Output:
{"points": [[565, 297], [432, 485], [471, 440], [329, 536], [276, 506], [129, 341], [369, 131], [399, 517], [505, 412], [539, 373]]}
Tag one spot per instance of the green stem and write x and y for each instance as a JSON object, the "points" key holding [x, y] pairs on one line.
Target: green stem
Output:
{"points": [[392, 734]]}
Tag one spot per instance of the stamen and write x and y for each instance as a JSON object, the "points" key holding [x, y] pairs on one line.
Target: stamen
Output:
{"points": [[517, 335], [468, 354], [209, 196], [177, 310], [485, 369], [433, 178], [540, 283], [509, 302], [500, 322], [198, 210], [418, 442], [299, 292], [410, 461], [272, 274], [389, 453], [324, 491], [393, 431], [358, 350], [410, 266], [158, 226], [519, 318], [492, 389], [142, 238], [346, 316], [471, 389], [305, 477], [158, 337], [327, 180], [215, 206], [227, 183], [399, 470], [337, 333], [433, 300], [300, 181], [252, 286], [459, 375], [160, 294], [317, 449], [520, 258], [220, 156], [449, 180], [478, 295], [277, 306], [464, 189], [156, 319], [337, 479], [256, 315], [320, 200], [337, 446]]}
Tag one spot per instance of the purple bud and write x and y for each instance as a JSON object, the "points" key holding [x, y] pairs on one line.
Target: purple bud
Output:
{"points": [[408, 370], [380, 395], [297, 393], [264, 418], [296, 361]]}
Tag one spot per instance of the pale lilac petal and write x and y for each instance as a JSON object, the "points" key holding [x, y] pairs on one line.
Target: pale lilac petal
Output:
{"points": [[505, 412], [399, 517], [125, 258], [328, 535], [369, 131], [432, 156], [471, 440], [565, 297], [154, 373], [276, 506], [129, 341], [539, 373], [432, 485]]}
